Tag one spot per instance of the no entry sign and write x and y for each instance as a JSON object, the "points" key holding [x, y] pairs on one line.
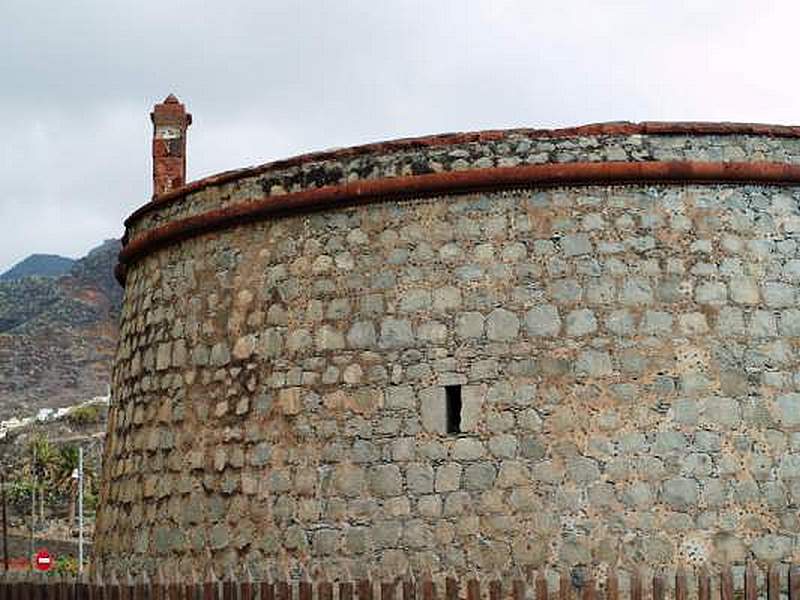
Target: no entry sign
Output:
{"points": [[43, 561]]}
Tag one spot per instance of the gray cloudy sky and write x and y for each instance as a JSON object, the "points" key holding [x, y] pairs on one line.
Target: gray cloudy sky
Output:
{"points": [[267, 79]]}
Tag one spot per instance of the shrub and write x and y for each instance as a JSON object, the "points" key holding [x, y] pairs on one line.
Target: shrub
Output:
{"points": [[89, 414]]}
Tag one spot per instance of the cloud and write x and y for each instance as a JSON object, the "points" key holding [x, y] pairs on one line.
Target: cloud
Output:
{"points": [[266, 80]]}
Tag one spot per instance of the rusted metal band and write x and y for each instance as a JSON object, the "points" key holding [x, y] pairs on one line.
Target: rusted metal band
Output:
{"points": [[457, 182]]}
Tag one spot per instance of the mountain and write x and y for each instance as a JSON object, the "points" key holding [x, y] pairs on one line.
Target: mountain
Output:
{"points": [[40, 265], [58, 334]]}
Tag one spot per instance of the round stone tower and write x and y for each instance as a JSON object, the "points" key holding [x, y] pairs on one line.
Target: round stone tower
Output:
{"points": [[472, 352]]}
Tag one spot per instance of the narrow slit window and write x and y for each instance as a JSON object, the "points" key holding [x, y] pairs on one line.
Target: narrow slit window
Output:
{"points": [[453, 408]]}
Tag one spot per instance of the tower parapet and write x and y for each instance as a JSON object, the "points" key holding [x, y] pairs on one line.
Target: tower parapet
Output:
{"points": [[470, 354]]}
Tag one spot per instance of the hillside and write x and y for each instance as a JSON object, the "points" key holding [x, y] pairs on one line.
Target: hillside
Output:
{"points": [[58, 335], [39, 265]]}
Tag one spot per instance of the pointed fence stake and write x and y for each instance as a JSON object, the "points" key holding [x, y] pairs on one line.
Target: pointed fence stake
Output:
{"points": [[495, 589], [518, 589], [636, 585], [210, 586], [658, 586], [304, 590], [266, 590], [428, 589], [794, 582], [450, 589], [773, 582], [541, 586], [409, 589], [565, 586], [681, 587], [726, 584], [588, 592], [473, 589], [612, 585], [750, 582], [345, 591], [325, 590], [387, 590], [703, 585]]}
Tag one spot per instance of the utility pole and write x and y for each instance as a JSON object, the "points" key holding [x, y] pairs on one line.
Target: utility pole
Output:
{"points": [[5, 522], [80, 510], [33, 507]]}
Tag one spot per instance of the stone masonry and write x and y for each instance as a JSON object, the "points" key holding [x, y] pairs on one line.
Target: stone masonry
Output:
{"points": [[626, 358]]}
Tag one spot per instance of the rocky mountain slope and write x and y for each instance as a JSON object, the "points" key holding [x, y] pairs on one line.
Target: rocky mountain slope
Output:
{"points": [[58, 335], [39, 265]]}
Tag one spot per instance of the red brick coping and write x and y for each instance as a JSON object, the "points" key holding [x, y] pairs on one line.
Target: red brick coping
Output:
{"points": [[451, 182]]}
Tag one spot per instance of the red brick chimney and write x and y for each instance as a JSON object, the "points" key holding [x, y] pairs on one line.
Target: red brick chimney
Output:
{"points": [[170, 122]]}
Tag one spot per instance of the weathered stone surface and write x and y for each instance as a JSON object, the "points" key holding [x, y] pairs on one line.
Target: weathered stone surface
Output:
{"points": [[543, 321], [625, 357], [680, 493], [502, 325], [580, 322]]}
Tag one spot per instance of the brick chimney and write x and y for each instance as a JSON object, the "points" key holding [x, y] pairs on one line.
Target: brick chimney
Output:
{"points": [[170, 122]]}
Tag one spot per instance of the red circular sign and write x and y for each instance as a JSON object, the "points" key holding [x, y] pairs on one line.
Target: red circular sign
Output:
{"points": [[43, 561]]}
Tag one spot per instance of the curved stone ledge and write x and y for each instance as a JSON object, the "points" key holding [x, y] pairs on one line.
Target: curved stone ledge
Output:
{"points": [[623, 128], [496, 178]]}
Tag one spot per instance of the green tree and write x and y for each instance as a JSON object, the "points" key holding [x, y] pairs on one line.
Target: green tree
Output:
{"points": [[64, 479], [42, 461]]}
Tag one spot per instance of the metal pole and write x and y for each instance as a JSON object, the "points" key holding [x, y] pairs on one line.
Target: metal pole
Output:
{"points": [[80, 510], [33, 508], [5, 523]]}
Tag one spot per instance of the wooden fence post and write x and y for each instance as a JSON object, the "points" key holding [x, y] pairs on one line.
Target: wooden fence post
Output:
{"points": [[636, 585], [541, 586], [588, 592], [409, 589], [267, 591], [365, 589], [473, 589], [495, 590], [703, 585], [681, 587], [304, 590], [726, 584], [450, 589], [564, 586], [773, 582], [794, 582], [345, 591], [428, 590], [658, 586], [387, 590], [518, 589], [283, 590], [210, 586], [612, 585], [324, 591], [750, 582]]}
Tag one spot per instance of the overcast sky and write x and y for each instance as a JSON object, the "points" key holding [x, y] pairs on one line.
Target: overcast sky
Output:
{"points": [[266, 79]]}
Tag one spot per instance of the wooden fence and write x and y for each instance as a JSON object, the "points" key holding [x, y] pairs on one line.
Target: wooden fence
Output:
{"points": [[777, 582]]}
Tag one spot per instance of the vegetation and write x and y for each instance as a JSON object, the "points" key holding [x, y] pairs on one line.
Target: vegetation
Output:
{"points": [[49, 477], [88, 414], [65, 566]]}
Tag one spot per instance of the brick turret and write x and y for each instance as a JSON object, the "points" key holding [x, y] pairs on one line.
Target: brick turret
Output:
{"points": [[170, 122]]}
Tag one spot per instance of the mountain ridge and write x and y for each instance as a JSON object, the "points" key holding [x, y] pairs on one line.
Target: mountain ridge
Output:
{"points": [[58, 334], [39, 265]]}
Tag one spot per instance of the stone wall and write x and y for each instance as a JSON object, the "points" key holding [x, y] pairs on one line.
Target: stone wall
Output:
{"points": [[627, 358]]}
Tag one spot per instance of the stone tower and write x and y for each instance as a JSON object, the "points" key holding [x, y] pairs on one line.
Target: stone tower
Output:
{"points": [[471, 353], [170, 122]]}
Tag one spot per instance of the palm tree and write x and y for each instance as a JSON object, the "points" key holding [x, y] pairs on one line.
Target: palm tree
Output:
{"points": [[64, 476], [43, 457]]}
